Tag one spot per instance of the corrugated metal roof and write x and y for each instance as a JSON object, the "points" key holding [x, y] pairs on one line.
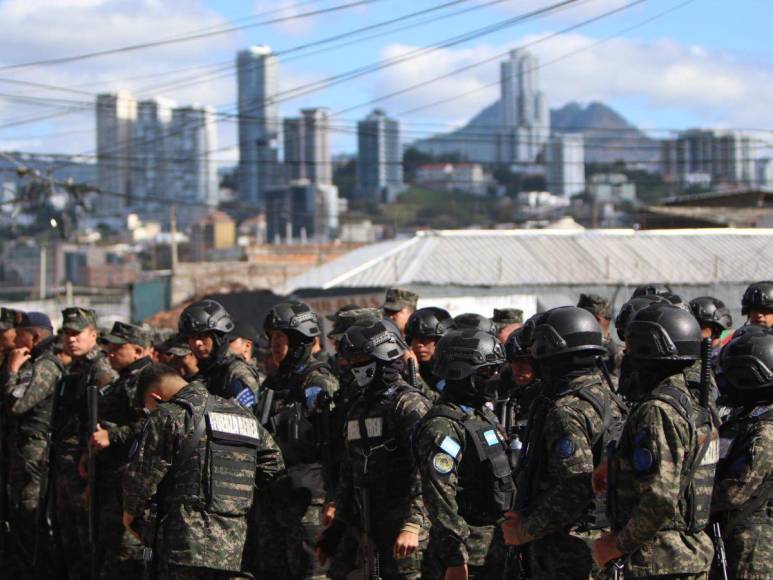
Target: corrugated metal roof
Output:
{"points": [[547, 257]]}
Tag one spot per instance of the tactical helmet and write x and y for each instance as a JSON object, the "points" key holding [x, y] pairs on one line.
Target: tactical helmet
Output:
{"points": [[758, 296], [515, 346], [747, 360], [663, 332], [711, 311], [566, 330], [380, 340], [652, 290], [431, 322], [475, 322], [460, 353], [294, 317], [631, 307], [205, 316]]}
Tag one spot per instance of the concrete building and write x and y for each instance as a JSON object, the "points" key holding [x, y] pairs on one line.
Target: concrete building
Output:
{"points": [[216, 231], [611, 188], [565, 164], [455, 177], [116, 115], [258, 85], [151, 165], [192, 136], [763, 172], [307, 147], [379, 158], [302, 210]]}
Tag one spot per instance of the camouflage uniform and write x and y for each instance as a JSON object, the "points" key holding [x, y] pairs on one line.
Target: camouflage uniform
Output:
{"points": [[504, 316], [564, 444], [465, 494], [602, 308], [651, 518], [396, 299], [203, 520], [231, 377], [30, 393], [743, 491], [379, 458]]}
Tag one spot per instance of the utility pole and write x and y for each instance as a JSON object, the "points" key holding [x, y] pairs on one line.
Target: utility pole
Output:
{"points": [[173, 241], [42, 280]]}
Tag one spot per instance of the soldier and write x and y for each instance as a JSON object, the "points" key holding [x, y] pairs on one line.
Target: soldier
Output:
{"points": [[196, 465], [743, 489], [661, 474], [663, 290], [243, 340], [462, 455], [89, 368], [182, 359], [380, 489], [207, 325], [34, 373], [757, 304], [302, 389], [399, 304], [120, 411], [475, 322], [601, 308], [569, 429], [507, 320], [424, 328], [713, 316], [7, 333]]}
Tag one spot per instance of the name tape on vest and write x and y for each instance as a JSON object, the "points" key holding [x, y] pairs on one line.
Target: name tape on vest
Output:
{"points": [[233, 425]]}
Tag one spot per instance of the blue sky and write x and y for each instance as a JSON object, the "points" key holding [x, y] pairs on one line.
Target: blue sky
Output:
{"points": [[709, 63]]}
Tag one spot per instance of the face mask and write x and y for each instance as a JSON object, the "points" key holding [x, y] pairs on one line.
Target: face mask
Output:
{"points": [[364, 374]]}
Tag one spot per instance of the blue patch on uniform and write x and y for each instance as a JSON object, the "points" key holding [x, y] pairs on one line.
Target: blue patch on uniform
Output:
{"points": [[311, 396], [643, 460], [134, 448], [246, 398], [450, 446], [565, 447], [466, 409], [491, 437], [640, 438], [440, 386]]}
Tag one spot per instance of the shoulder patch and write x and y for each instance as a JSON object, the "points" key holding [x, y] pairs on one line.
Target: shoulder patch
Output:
{"points": [[491, 436], [443, 463], [643, 460], [759, 411], [565, 447], [450, 446]]}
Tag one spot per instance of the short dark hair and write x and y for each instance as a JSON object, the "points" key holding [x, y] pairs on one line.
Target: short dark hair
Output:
{"points": [[152, 374]]}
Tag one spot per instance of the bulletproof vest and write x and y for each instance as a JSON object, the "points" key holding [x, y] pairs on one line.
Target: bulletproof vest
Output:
{"points": [[38, 419], [697, 477], [758, 509], [373, 445], [71, 398], [214, 471], [513, 414], [485, 488], [216, 378]]}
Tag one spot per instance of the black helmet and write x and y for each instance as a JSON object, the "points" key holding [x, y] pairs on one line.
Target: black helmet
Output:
{"points": [[428, 322], [758, 296], [566, 330], [379, 340], [295, 317], [663, 332], [652, 290], [747, 360], [460, 353], [475, 322], [515, 346], [711, 311], [631, 307], [205, 316]]}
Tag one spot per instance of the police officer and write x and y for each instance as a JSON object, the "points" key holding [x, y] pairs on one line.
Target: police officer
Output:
{"points": [[399, 304], [207, 327], [570, 428], [661, 474], [713, 316], [757, 304], [380, 489], [302, 388], [90, 368], [200, 457], [120, 412], [743, 489], [462, 455], [476, 322], [34, 373], [424, 328], [507, 320]]}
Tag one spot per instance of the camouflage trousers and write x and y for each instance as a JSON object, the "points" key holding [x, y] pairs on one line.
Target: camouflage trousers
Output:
{"points": [[565, 556], [71, 517], [120, 553], [485, 551], [176, 572], [750, 552], [701, 576]]}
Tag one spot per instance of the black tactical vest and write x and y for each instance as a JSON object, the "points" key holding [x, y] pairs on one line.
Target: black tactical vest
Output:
{"points": [[38, 419], [485, 487]]}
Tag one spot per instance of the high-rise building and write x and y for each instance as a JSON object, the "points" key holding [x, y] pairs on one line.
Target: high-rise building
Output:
{"points": [[150, 166], [192, 136], [565, 164], [763, 172], [307, 146], [379, 158], [525, 115], [301, 209], [258, 85], [116, 115]]}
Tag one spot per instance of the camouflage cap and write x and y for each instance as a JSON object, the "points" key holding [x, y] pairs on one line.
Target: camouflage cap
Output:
{"points": [[8, 318], [398, 298], [78, 319], [178, 346], [504, 316], [123, 333], [344, 320], [344, 308], [596, 305]]}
